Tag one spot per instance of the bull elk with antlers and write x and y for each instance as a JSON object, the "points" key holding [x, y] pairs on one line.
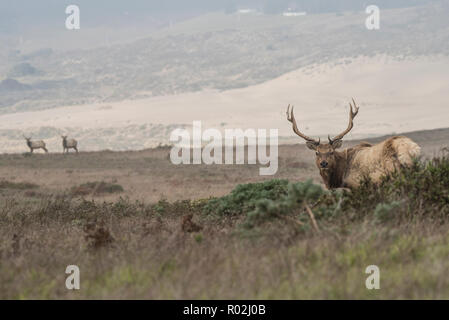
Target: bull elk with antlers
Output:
{"points": [[345, 169]]}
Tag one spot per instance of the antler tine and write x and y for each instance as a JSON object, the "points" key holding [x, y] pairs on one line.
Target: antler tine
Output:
{"points": [[355, 108], [352, 114], [291, 118]]}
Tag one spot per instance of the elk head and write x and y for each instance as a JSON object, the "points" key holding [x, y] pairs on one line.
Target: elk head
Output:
{"points": [[26, 138], [325, 152]]}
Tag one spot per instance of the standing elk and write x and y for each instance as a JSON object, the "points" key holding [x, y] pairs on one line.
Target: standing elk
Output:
{"points": [[69, 144], [346, 169], [37, 144]]}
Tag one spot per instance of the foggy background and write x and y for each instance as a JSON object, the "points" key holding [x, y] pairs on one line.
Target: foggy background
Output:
{"points": [[138, 69]]}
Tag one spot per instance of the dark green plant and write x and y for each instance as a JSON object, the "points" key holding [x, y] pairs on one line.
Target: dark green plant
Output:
{"points": [[245, 196], [298, 195], [385, 211], [424, 185]]}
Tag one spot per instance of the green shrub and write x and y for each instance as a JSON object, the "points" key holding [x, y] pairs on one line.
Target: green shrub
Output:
{"points": [[421, 189], [244, 197], [383, 211], [161, 206], [298, 195], [423, 186], [198, 238]]}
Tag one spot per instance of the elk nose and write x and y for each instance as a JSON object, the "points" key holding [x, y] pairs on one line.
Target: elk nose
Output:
{"points": [[323, 164]]}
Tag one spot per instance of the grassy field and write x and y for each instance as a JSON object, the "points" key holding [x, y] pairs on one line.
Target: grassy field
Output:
{"points": [[139, 227]]}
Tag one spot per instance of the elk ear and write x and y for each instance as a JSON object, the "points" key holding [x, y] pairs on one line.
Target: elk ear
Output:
{"points": [[337, 144], [311, 145]]}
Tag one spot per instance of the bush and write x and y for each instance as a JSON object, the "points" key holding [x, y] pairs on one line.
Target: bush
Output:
{"points": [[424, 187], [383, 211], [421, 189], [298, 195], [244, 197]]}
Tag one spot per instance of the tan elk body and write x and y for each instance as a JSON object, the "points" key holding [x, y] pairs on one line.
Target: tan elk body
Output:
{"points": [[35, 144], [69, 144], [345, 169]]}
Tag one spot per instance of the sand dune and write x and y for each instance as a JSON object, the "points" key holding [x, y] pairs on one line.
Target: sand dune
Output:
{"points": [[395, 95]]}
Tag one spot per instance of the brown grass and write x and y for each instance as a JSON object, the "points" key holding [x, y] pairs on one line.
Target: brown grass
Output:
{"points": [[149, 175], [127, 251], [158, 249], [95, 189]]}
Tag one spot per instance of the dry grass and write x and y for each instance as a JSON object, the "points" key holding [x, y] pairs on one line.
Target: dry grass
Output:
{"points": [[149, 175], [167, 249], [95, 188], [127, 250]]}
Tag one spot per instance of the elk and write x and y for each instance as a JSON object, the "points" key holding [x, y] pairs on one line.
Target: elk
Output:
{"points": [[69, 144], [346, 169], [36, 144]]}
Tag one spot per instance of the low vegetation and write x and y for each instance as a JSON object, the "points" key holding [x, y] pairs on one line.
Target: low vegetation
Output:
{"points": [[270, 240], [420, 190], [5, 184], [96, 188]]}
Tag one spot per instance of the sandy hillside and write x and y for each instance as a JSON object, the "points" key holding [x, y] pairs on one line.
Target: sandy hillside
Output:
{"points": [[395, 95]]}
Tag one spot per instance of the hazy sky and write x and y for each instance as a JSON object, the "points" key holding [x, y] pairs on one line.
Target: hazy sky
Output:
{"points": [[22, 14]]}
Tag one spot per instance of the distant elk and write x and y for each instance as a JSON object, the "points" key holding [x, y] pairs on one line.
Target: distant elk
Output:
{"points": [[347, 168], [69, 144], [36, 144]]}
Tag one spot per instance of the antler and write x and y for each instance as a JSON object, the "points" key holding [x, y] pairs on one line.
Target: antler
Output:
{"points": [[352, 115], [291, 118]]}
